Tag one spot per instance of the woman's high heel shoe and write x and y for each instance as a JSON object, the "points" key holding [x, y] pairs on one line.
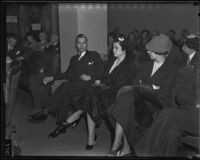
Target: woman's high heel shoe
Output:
{"points": [[89, 147], [62, 128]]}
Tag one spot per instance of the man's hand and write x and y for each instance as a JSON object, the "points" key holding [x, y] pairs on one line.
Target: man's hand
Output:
{"points": [[20, 58], [198, 102], [85, 77], [48, 79], [155, 87]]}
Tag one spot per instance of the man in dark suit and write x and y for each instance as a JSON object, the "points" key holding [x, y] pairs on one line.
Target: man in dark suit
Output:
{"points": [[85, 67], [191, 48], [14, 50], [54, 45]]}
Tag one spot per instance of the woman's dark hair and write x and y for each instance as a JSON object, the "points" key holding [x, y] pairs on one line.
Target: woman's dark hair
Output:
{"points": [[122, 41]]}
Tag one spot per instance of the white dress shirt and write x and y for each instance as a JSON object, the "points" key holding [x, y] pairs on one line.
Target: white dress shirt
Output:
{"points": [[156, 66], [82, 54], [190, 57]]}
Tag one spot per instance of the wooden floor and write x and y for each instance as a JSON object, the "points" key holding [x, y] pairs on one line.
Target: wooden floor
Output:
{"points": [[34, 137]]}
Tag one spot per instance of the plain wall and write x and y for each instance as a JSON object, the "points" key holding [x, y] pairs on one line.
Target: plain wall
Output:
{"points": [[153, 16], [89, 19], [93, 22], [68, 27]]}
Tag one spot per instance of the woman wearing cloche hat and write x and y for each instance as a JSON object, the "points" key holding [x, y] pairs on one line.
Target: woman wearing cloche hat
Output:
{"points": [[153, 85]]}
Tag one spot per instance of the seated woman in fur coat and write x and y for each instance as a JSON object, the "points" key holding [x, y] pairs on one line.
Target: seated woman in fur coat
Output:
{"points": [[153, 85]]}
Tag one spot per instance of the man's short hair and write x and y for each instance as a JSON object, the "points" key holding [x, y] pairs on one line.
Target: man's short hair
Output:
{"points": [[81, 36], [12, 35]]}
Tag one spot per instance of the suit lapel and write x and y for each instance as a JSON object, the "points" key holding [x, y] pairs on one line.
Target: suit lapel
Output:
{"points": [[194, 59], [148, 69], [116, 68], [160, 70]]}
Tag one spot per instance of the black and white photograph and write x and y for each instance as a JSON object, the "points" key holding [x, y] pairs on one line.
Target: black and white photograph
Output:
{"points": [[100, 79]]}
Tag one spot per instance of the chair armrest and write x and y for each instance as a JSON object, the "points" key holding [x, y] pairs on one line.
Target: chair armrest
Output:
{"points": [[124, 89], [193, 141]]}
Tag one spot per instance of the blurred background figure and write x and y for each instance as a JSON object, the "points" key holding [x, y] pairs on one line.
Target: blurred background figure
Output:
{"points": [[111, 38], [183, 35], [172, 35], [31, 42], [132, 41], [43, 43], [54, 44], [144, 37]]}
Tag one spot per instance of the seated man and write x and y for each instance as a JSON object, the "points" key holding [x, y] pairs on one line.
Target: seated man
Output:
{"points": [[14, 49], [164, 136], [85, 67]]}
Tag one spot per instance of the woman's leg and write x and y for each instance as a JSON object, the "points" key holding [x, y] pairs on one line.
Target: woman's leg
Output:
{"points": [[75, 116], [118, 137], [126, 147], [91, 130]]}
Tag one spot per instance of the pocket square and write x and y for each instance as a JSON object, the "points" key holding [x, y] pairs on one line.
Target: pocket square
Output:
{"points": [[90, 63]]}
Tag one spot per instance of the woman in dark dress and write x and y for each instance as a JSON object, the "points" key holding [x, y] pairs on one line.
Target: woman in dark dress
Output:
{"points": [[153, 85], [101, 95]]}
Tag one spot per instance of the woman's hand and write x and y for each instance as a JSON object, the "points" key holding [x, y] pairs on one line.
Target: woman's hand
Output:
{"points": [[85, 77]]}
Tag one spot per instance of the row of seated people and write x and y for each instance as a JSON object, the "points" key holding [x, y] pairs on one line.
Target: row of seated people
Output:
{"points": [[138, 39], [43, 44], [21, 62], [33, 60], [88, 88]]}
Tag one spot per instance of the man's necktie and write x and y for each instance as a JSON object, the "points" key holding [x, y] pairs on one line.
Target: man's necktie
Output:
{"points": [[80, 55]]}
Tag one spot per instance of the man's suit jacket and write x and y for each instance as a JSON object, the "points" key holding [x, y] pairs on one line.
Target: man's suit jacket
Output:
{"points": [[90, 64], [16, 52], [185, 90], [194, 59], [53, 48], [164, 78], [177, 57]]}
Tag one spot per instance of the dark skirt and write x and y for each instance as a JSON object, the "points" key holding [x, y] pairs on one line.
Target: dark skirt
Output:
{"points": [[132, 112], [95, 102], [164, 136]]}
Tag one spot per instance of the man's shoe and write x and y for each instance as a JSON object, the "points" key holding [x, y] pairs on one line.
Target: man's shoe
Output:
{"points": [[57, 131], [38, 118]]}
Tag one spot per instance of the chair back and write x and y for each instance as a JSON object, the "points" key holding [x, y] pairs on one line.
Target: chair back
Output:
{"points": [[12, 81]]}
